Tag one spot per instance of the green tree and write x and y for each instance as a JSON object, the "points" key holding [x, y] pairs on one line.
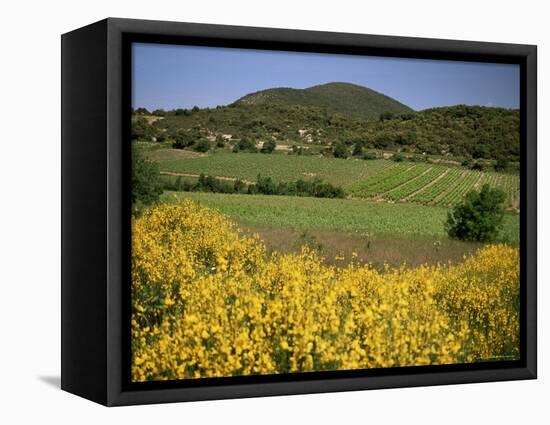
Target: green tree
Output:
{"points": [[183, 138], [146, 182], [357, 149], [220, 142], [384, 116], [479, 217], [397, 157], [467, 162], [239, 186], [501, 164], [141, 129], [203, 145], [340, 150], [246, 144], [269, 146]]}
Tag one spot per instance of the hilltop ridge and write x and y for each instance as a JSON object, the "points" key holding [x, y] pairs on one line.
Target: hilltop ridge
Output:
{"points": [[336, 97]]}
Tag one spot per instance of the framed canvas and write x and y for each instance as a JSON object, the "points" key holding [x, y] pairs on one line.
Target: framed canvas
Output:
{"points": [[254, 212]]}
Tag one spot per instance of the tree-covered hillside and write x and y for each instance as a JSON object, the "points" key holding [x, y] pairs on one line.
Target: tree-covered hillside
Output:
{"points": [[474, 131], [344, 98], [458, 131], [282, 123]]}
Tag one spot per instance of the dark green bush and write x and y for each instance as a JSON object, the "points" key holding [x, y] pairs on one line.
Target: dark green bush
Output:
{"points": [[245, 145], [340, 150], [203, 145], [141, 129], [263, 185], [479, 217], [397, 157], [220, 142], [146, 183], [501, 164], [183, 139], [269, 146], [357, 149]]}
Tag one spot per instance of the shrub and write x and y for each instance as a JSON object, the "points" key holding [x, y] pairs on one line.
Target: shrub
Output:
{"points": [[142, 111], [212, 184], [477, 166], [263, 185], [357, 149], [269, 146], [202, 145], [141, 129], [501, 165], [340, 150], [266, 185], [479, 217], [220, 143], [239, 186], [245, 144], [297, 150], [369, 156], [397, 157], [384, 116], [467, 162], [183, 139], [146, 182]]}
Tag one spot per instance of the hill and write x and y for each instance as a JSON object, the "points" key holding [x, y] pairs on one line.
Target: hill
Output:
{"points": [[347, 99], [461, 130]]}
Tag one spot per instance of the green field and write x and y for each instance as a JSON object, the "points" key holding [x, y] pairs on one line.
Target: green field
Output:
{"points": [[429, 184], [280, 167], [338, 215]]}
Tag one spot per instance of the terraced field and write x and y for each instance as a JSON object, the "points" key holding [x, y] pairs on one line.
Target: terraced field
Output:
{"points": [[381, 180], [432, 184], [387, 180]]}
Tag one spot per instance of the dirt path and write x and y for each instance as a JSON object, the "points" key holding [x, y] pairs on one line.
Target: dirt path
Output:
{"points": [[231, 179]]}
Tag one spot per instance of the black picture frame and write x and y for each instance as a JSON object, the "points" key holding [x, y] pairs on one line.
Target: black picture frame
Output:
{"points": [[96, 87]]}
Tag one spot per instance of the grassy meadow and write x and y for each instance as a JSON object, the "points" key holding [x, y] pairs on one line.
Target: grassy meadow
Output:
{"points": [[378, 232]]}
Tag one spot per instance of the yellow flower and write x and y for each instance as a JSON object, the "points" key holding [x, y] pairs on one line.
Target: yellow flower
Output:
{"points": [[228, 308]]}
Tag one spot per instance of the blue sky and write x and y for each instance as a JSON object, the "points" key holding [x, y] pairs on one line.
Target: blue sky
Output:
{"points": [[170, 76]]}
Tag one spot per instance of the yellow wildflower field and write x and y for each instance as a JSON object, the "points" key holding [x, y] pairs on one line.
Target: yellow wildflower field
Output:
{"points": [[208, 301]]}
